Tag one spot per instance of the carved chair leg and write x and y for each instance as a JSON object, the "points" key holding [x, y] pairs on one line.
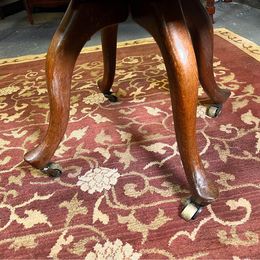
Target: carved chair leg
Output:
{"points": [[164, 20], [109, 44], [201, 31], [80, 22], [29, 9]]}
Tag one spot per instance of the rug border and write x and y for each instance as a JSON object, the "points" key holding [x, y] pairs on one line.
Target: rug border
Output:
{"points": [[247, 46]]}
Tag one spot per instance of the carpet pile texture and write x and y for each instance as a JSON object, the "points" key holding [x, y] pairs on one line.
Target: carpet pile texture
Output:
{"points": [[123, 183]]}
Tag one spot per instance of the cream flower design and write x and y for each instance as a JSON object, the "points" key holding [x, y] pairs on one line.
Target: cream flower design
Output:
{"points": [[98, 179], [161, 66], [116, 251], [95, 98], [201, 111], [8, 90]]}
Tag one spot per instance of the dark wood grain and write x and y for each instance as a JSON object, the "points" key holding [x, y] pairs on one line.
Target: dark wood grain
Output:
{"points": [[109, 41], [201, 30], [182, 30], [62, 54]]}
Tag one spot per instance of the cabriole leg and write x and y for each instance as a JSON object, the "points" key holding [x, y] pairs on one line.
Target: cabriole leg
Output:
{"points": [[80, 22], [164, 20], [201, 30], [109, 42]]}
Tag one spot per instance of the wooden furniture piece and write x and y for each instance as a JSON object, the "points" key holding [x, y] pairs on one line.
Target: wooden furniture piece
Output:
{"points": [[184, 33], [30, 4], [210, 7]]}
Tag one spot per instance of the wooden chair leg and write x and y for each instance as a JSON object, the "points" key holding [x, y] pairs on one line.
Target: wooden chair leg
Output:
{"points": [[80, 22], [29, 9], [109, 44], [201, 31], [164, 20]]}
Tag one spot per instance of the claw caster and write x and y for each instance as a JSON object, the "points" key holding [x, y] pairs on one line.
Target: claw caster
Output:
{"points": [[110, 97], [214, 110], [52, 170], [190, 210]]}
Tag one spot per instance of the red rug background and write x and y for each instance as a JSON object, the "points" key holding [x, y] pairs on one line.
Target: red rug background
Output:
{"points": [[123, 182]]}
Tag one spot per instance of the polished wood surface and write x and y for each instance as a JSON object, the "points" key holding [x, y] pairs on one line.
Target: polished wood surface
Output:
{"points": [[184, 33]]}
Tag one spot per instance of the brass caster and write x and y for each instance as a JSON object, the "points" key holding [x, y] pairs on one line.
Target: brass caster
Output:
{"points": [[52, 170], [191, 210], [214, 110], [109, 95]]}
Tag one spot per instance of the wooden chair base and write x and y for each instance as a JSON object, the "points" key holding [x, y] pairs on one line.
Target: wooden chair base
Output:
{"points": [[186, 44]]}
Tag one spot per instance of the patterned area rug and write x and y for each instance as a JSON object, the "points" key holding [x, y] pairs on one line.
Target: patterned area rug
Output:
{"points": [[120, 193]]}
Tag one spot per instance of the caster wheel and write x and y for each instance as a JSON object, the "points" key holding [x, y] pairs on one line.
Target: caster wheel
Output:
{"points": [[110, 97], [52, 170], [214, 110], [190, 210]]}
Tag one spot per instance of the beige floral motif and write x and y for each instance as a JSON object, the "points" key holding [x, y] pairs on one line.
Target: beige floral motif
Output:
{"points": [[74, 208], [2, 104], [79, 133], [125, 157], [156, 147], [16, 179], [201, 111], [238, 258], [257, 135], [249, 118], [6, 160], [128, 75], [8, 90], [32, 138], [5, 76], [25, 241], [102, 137], [132, 59], [153, 111], [98, 179], [78, 247], [60, 243], [6, 118], [226, 128], [125, 136], [98, 214], [161, 66], [95, 98], [104, 152], [99, 119], [134, 225], [113, 250], [34, 217], [16, 134], [250, 238]]}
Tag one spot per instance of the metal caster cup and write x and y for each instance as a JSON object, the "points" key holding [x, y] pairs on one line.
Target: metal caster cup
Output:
{"points": [[191, 210], [214, 110], [110, 97], [52, 169]]}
